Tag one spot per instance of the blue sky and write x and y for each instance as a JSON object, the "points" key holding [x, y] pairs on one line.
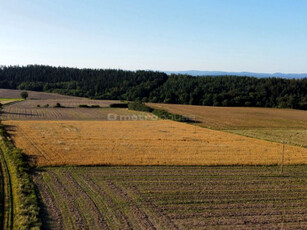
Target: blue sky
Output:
{"points": [[227, 35]]}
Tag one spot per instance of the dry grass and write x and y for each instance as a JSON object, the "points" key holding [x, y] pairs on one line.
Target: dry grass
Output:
{"points": [[142, 143], [264, 123]]}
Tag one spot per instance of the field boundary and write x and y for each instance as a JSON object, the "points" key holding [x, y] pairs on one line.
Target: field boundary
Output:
{"points": [[21, 196]]}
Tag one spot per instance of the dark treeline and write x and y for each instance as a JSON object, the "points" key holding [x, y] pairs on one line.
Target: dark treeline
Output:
{"points": [[149, 86]]}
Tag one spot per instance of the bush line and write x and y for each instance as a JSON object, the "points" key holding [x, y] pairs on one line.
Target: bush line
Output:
{"points": [[88, 106], [160, 113], [25, 202], [119, 105]]}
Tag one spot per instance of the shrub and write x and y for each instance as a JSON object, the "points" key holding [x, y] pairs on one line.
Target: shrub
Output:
{"points": [[162, 114], [139, 107], [83, 106], [119, 105], [169, 116], [58, 105], [95, 106], [88, 106]]}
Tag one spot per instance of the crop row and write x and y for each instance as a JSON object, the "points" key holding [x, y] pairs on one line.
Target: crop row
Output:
{"points": [[135, 197]]}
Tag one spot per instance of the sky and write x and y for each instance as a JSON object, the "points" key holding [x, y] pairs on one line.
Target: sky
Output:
{"points": [[226, 35]]}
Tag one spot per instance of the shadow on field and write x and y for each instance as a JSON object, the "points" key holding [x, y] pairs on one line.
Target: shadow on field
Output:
{"points": [[10, 128]]}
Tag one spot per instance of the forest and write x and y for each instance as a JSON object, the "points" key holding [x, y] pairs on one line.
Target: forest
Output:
{"points": [[151, 86]]}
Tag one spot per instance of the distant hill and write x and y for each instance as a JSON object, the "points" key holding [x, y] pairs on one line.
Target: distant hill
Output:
{"points": [[249, 74]]}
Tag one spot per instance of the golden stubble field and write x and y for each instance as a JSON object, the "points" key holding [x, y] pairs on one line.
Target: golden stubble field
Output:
{"points": [[161, 142], [271, 124]]}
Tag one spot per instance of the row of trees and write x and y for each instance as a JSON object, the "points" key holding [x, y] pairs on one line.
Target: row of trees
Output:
{"points": [[149, 86]]}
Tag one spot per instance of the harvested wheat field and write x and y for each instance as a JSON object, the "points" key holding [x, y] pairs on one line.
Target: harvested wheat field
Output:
{"points": [[159, 142], [276, 125], [18, 113]]}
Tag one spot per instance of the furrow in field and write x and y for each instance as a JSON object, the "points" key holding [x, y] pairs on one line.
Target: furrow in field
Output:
{"points": [[148, 197], [161, 217], [94, 218], [143, 220], [69, 200], [116, 219], [247, 221], [50, 211]]}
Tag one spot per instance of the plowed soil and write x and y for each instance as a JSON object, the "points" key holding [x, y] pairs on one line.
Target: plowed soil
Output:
{"points": [[162, 197]]}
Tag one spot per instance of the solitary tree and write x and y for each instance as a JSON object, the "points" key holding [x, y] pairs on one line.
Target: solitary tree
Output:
{"points": [[24, 95]]}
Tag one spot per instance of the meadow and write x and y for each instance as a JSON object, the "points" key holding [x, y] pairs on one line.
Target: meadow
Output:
{"points": [[278, 125], [161, 142], [163, 197]]}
